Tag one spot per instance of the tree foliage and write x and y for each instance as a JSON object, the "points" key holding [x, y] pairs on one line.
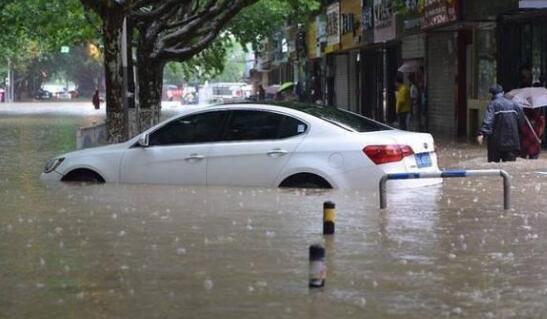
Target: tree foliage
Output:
{"points": [[33, 32]]}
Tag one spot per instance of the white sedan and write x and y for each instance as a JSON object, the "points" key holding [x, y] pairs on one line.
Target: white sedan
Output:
{"points": [[263, 145]]}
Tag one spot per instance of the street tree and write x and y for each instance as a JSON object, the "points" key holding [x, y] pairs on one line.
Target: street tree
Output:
{"points": [[33, 31], [167, 30], [174, 31], [177, 31]]}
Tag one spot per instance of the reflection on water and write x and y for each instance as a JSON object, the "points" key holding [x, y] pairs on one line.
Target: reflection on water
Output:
{"points": [[143, 251]]}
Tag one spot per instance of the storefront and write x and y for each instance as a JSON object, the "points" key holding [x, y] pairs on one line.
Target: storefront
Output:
{"points": [[522, 45], [347, 71], [413, 60], [446, 66], [380, 59]]}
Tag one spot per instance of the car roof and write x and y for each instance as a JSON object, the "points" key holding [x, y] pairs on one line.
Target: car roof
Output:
{"points": [[252, 106]]}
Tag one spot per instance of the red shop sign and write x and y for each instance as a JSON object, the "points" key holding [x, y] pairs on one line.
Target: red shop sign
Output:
{"points": [[439, 12]]}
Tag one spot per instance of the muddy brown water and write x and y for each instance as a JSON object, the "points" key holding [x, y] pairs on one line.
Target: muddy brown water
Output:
{"points": [[146, 251]]}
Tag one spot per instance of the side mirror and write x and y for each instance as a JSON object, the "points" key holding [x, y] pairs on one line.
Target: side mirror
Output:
{"points": [[143, 140]]}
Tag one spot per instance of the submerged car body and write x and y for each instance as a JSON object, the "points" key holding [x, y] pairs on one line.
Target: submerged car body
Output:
{"points": [[263, 145]]}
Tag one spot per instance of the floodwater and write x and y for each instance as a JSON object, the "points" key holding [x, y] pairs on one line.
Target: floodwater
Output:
{"points": [[142, 251]]}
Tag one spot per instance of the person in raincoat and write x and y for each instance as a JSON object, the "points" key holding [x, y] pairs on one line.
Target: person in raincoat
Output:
{"points": [[501, 127], [531, 132]]}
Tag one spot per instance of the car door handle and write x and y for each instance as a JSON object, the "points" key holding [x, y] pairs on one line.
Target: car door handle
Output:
{"points": [[277, 152], [194, 157]]}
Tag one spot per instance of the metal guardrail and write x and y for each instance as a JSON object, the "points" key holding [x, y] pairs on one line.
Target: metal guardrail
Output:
{"points": [[449, 174]]}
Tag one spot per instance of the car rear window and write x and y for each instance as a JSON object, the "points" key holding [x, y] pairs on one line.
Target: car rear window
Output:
{"points": [[339, 117]]}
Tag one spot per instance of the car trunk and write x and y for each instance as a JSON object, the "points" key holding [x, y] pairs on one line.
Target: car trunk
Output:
{"points": [[422, 144]]}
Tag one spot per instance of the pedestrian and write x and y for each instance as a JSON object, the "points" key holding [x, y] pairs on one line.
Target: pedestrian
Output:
{"points": [[531, 133], [402, 102], [414, 101], [261, 93], [96, 100], [501, 125], [525, 77]]}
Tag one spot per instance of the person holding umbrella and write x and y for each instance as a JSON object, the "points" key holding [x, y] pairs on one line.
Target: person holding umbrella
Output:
{"points": [[531, 99], [531, 132], [501, 125]]}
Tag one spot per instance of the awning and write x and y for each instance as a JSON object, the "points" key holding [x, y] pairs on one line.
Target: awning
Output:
{"points": [[533, 4]]}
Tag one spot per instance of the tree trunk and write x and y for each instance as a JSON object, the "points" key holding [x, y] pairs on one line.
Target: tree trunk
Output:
{"points": [[150, 79], [112, 29]]}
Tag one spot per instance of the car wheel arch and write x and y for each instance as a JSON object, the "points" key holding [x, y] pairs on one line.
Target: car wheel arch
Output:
{"points": [[304, 176], [83, 174]]}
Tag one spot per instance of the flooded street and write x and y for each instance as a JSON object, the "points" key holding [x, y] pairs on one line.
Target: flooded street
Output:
{"points": [[147, 251]]}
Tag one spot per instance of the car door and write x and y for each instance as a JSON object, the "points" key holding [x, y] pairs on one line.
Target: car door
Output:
{"points": [[255, 147], [177, 152]]}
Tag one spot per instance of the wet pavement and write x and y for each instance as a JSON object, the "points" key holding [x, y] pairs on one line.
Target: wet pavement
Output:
{"points": [[147, 251]]}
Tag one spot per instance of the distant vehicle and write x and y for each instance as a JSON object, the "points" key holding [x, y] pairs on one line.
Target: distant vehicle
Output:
{"points": [[42, 94], [65, 95], [190, 95], [262, 145], [172, 92], [227, 92]]}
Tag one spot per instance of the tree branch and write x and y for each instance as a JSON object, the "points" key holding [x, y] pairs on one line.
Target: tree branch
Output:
{"points": [[205, 33]]}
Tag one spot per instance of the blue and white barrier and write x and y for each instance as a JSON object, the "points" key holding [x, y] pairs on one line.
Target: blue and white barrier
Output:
{"points": [[449, 174]]}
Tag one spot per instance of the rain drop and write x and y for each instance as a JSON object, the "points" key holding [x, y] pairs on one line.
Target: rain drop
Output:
{"points": [[208, 284]]}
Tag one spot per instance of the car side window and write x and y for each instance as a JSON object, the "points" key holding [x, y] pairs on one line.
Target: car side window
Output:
{"points": [[261, 125], [193, 129]]}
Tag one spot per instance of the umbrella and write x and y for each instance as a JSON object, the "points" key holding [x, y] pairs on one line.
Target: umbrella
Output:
{"points": [[272, 89], [529, 97], [286, 86], [409, 67]]}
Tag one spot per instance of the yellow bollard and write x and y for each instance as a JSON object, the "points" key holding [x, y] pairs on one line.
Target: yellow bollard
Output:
{"points": [[329, 217]]}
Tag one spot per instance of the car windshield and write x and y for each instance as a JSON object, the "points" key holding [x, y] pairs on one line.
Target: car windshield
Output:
{"points": [[342, 118]]}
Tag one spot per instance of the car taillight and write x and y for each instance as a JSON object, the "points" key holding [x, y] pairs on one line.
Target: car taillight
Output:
{"points": [[382, 154]]}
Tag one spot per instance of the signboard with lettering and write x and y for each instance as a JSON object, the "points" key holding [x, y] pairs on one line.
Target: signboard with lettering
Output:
{"points": [[411, 21], [533, 4], [384, 21], [367, 22], [439, 12], [333, 24]]}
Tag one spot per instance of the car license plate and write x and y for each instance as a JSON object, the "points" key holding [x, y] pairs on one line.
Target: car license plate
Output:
{"points": [[423, 160]]}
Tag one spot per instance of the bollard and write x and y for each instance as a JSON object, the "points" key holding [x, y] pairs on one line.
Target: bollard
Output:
{"points": [[329, 218], [318, 270]]}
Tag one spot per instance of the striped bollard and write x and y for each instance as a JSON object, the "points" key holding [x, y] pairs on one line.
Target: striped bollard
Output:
{"points": [[318, 269], [329, 218]]}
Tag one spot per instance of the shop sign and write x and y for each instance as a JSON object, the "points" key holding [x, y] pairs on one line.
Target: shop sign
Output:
{"points": [[348, 23], [367, 22], [439, 12], [412, 17], [321, 35], [533, 4], [384, 21], [366, 19], [333, 24]]}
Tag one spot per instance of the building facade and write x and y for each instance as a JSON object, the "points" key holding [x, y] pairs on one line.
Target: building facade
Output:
{"points": [[454, 49]]}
